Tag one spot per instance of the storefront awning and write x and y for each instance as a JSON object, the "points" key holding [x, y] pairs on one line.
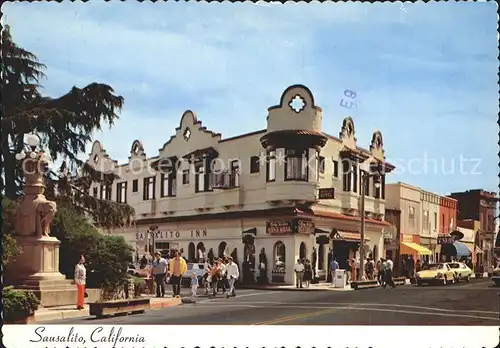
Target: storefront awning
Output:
{"points": [[412, 248], [469, 246], [347, 236], [462, 249]]}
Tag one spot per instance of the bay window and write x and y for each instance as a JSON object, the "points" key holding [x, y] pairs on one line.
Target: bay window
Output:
{"points": [[271, 166], [296, 167], [168, 185]]}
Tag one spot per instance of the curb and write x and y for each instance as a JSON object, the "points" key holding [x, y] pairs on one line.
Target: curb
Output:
{"points": [[58, 315], [160, 305], [295, 289]]}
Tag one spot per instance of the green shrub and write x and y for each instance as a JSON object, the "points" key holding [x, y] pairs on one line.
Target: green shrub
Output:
{"points": [[18, 304], [10, 249]]}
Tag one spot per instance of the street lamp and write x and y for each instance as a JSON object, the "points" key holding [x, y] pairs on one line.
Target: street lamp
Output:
{"points": [[365, 177]]}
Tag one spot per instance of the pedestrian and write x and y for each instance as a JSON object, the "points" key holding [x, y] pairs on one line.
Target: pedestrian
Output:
{"points": [[381, 273], [215, 276], [160, 272], [334, 265], [80, 280], [194, 284], [222, 283], [418, 266], [388, 273], [232, 273], [207, 267], [177, 269], [299, 273], [143, 262], [348, 271], [307, 273], [357, 264], [369, 269], [353, 270]]}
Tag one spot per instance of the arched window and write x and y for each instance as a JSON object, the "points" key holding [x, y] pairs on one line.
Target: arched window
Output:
{"points": [[279, 256], [321, 256], [191, 252], [375, 253], [302, 251], [222, 249], [200, 252]]}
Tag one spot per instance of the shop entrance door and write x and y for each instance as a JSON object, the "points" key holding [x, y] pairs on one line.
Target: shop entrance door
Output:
{"points": [[341, 253]]}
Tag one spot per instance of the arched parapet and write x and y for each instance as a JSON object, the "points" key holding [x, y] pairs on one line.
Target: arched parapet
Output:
{"points": [[296, 111], [348, 133], [377, 146], [99, 159], [137, 150]]}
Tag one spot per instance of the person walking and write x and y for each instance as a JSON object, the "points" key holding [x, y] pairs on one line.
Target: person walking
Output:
{"points": [[232, 273], [80, 281], [177, 269], [299, 272], [160, 273], [381, 273], [207, 268], [348, 271], [388, 274], [194, 284], [334, 265], [307, 273], [370, 269]]}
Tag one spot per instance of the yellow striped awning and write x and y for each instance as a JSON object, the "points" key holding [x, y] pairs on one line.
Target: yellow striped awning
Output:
{"points": [[469, 246], [412, 248]]}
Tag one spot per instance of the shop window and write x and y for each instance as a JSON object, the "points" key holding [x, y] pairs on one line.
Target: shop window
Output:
{"points": [[271, 166], [254, 164], [279, 256], [296, 168]]}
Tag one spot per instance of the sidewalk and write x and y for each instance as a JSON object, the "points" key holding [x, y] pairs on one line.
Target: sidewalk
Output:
{"points": [[312, 287], [70, 312]]}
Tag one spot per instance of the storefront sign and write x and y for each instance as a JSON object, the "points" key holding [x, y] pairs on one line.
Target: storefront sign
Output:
{"points": [[305, 227], [326, 193], [445, 239], [167, 235], [279, 227]]}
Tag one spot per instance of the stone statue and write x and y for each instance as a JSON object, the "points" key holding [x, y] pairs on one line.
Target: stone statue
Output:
{"points": [[45, 214]]}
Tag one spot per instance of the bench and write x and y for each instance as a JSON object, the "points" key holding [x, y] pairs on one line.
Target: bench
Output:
{"points": [[119, 307]]}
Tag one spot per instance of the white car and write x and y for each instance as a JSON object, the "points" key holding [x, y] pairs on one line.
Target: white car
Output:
{"points": [[496, 276], [196, 268], [461, 270]]}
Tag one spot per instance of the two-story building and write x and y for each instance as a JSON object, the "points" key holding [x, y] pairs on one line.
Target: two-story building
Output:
{"points": [[406, 199], [267, 197]]}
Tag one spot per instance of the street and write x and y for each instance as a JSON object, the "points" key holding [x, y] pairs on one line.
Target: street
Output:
{"points": [[476, 303]]}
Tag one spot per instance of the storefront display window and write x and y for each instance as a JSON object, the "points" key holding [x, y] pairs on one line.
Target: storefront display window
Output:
{"points": [[279, 256]]}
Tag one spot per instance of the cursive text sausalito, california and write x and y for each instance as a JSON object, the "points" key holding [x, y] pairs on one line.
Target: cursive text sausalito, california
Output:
{"points": [[97, 335]]}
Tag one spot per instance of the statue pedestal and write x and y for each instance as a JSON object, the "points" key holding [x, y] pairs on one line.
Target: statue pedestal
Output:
{"points": [[37, 269]]}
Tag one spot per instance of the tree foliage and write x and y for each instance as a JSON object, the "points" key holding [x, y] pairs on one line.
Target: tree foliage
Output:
{"points": [[64, 125]]}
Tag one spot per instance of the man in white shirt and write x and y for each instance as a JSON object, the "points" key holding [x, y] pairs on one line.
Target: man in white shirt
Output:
{"points": [[233, 274], [299, 272], [388, 273]]}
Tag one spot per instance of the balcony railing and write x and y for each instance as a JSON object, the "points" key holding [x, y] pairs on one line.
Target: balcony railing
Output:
{"points": [[225, 180]]}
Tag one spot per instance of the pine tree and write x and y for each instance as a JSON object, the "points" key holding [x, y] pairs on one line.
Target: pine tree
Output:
{"points": [[64, 126]]}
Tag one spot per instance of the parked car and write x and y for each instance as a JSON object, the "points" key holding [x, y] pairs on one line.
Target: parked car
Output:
{"points": [[135, 270], [196, 268], [496, 276], [440, 273], [462, 271]]}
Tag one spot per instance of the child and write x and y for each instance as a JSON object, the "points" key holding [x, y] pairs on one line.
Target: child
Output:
{"points": [[194, 284]]}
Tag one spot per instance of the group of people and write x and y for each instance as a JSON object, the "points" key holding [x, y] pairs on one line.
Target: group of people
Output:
{"points": [[168, 271], [220, 275], [304, 273]]}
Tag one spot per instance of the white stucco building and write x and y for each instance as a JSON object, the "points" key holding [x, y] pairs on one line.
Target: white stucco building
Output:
{"points": [[285, 186]]}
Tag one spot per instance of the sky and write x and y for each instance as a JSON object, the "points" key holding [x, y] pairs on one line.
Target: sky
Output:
{"points": [[425, 75]]}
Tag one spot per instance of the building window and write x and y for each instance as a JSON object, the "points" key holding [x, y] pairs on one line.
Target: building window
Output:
{"points": [[168, 185], [254, 164], [346, 175], [435, 221], [279, 256], [135, 185], [199, 178], [296, 165], [149, 188], [335, 168], [452, 224], [411, 216], [443, 228], [354, 174], [106, 192], [121, 192], [376, 190], [321, 165], [235, 172], [94, 191], [271, 166], [185, 177], [366, 188], [382, 186], [425, 226]]}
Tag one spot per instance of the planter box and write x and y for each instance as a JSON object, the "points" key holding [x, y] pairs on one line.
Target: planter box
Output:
{"points": [[134, 306], [364, 284], [401, 280], [30, 319]]}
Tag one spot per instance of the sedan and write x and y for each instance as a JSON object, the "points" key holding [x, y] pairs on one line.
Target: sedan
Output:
{"points": [[439, 273], [462, 271]]}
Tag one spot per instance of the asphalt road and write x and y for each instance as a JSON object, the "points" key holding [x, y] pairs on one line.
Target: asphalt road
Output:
{"points": [[476, 303]]}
